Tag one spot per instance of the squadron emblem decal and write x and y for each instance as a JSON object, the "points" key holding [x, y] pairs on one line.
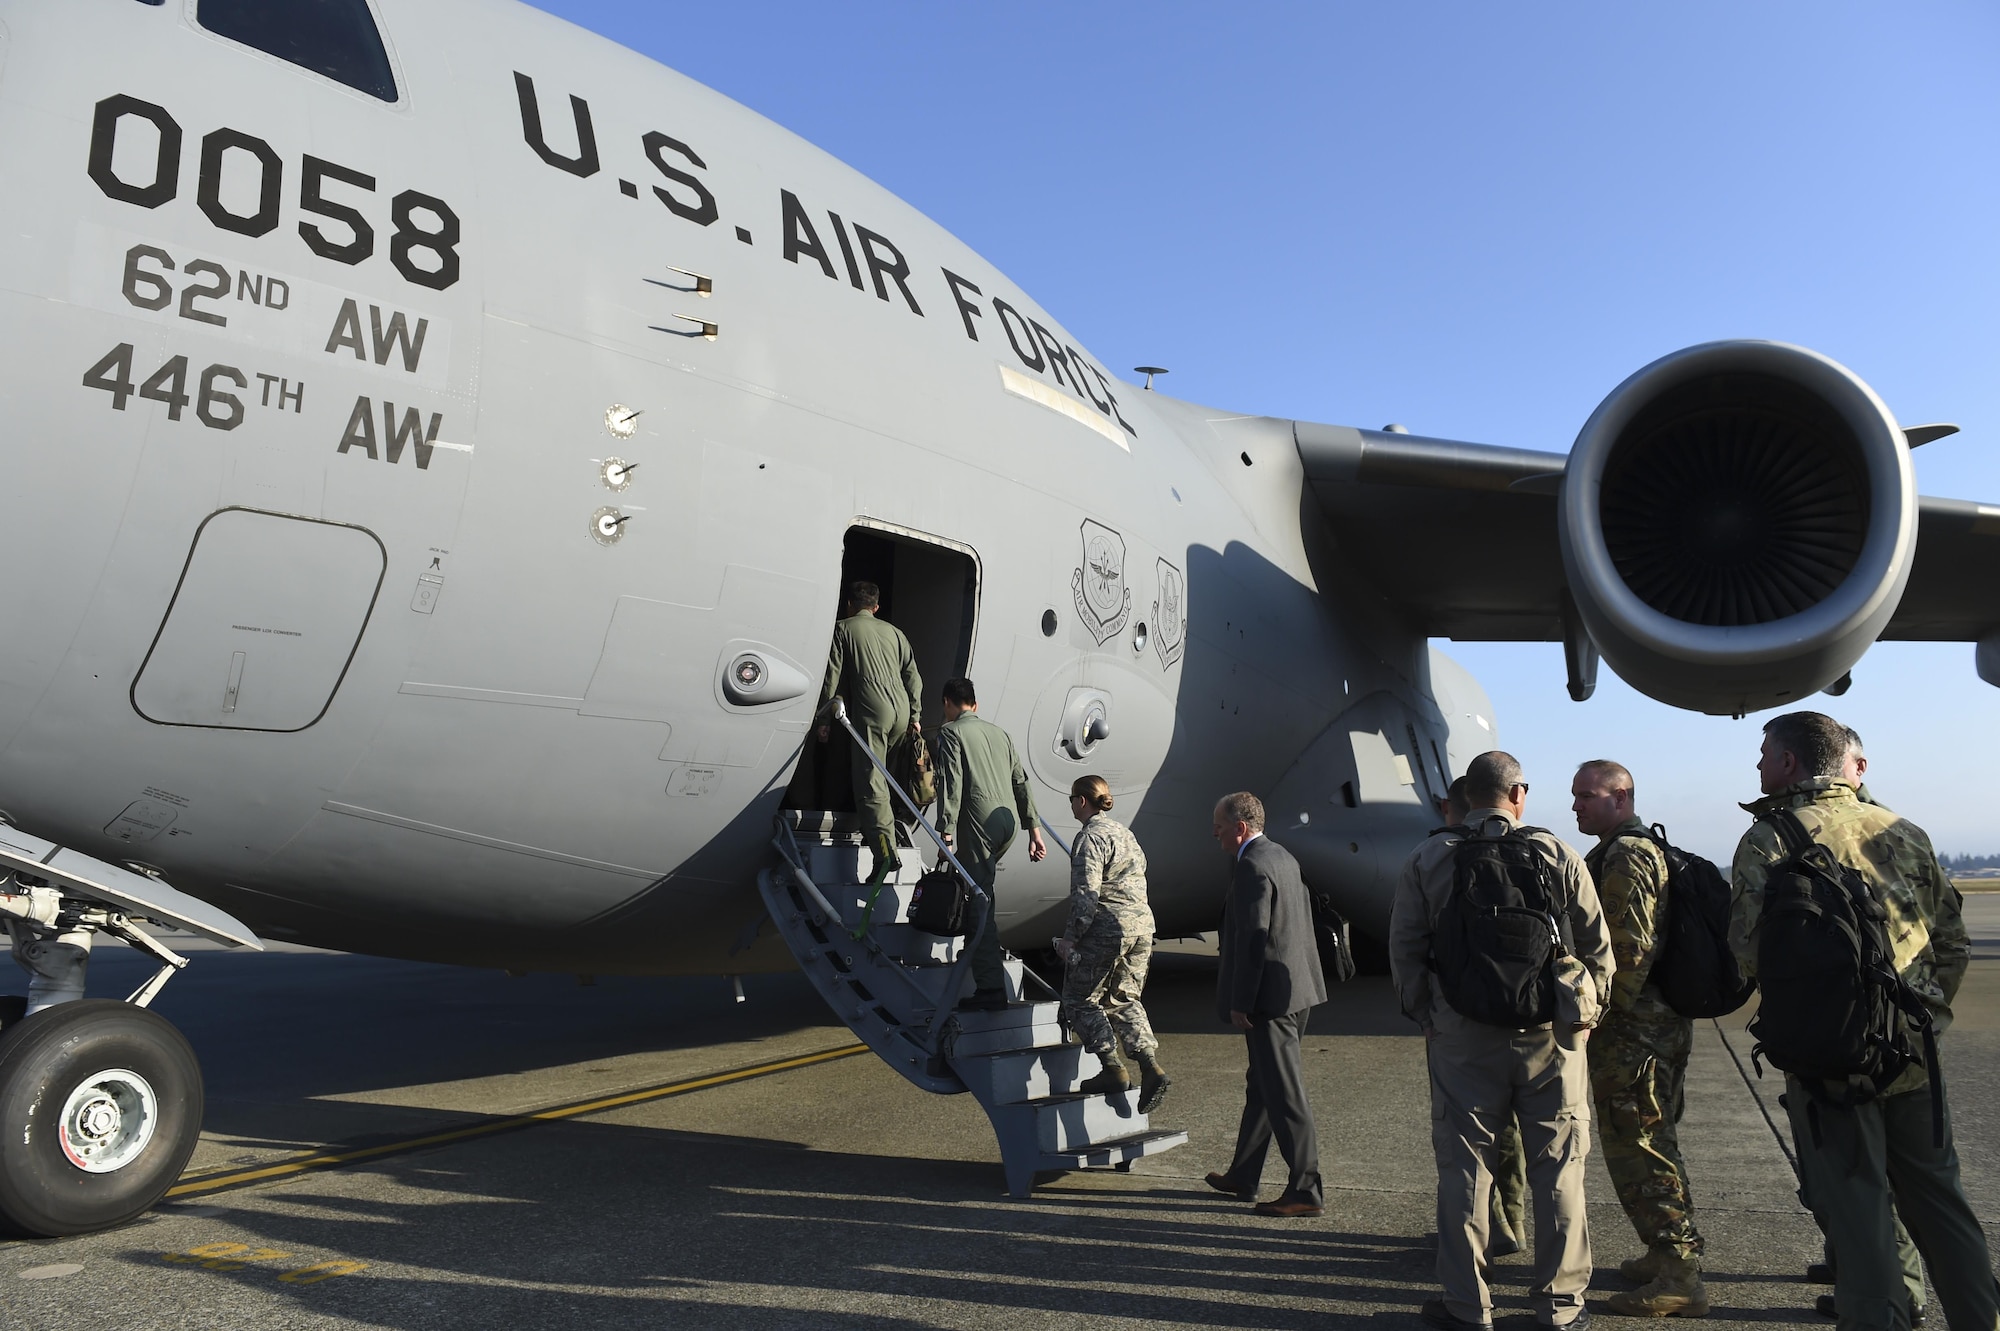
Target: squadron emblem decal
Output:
{"points": [[1170, 615], [1103, 601]]}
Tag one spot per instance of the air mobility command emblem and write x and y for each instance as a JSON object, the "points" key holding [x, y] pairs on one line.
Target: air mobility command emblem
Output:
{"points": [[1103, 601]]}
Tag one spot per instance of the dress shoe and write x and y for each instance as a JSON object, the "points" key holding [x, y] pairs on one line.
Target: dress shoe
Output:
{"points": [[1435, 1314], [1819, 1273], [985, 1000], [1221, 1183], [1288, 1206], [1580, 1322]]}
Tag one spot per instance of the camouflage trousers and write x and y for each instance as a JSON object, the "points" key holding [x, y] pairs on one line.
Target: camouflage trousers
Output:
{"points": [[1101, 987], [1638, 1077]]}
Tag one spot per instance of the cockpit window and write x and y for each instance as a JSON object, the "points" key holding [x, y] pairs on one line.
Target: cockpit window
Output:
{"points": [[336, 38]]}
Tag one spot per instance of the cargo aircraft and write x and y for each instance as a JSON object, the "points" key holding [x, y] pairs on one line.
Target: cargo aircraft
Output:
{"points": [[433, 440]]}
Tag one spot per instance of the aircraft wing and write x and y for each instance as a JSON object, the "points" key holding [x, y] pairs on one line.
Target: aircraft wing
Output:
{"points": [[1461, 538]]}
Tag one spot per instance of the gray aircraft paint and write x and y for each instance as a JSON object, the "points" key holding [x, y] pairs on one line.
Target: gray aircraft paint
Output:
{"points": [[484, 733]]}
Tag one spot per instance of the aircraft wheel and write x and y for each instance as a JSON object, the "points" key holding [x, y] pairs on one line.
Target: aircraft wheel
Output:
{"points": [[100, 1106]]}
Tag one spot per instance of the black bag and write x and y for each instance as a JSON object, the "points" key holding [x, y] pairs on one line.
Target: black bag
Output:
{"points": [[1695, 968], [1501, 930], [1335, 939], [1834, 1007], [941, 903]]}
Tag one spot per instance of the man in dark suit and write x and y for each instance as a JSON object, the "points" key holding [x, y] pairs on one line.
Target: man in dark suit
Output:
{"points": [[1269, 984]]}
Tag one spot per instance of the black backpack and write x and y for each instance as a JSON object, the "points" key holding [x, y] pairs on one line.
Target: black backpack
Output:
{"points": [[1503, 927], [1695, 968], [1834, 1010], [941, 903]]}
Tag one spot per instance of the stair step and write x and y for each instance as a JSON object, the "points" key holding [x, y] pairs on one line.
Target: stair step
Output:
{"points": [[914, 947], [1019, 1026], [1026, 1075], [841, 871], [1076, 1122], [1116, 1152]]}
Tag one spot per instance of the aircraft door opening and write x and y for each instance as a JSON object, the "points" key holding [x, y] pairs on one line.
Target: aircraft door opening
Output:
{"points": [[930, 590]]}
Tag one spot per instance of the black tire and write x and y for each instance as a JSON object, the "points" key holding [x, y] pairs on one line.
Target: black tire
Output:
{"points": [[44, 1059]]}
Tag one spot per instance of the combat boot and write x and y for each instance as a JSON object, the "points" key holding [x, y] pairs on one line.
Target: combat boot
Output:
{"points": [[1641, 1270], [1675, 1291], [1153, 1081], [1114, 1078]]}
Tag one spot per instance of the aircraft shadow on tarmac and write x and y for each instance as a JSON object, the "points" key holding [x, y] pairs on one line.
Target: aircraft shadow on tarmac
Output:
{"points": [[482, 1231]]}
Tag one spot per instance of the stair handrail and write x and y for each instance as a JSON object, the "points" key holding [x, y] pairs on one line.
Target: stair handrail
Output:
{"points": [[1056, 836], [982, 902]]}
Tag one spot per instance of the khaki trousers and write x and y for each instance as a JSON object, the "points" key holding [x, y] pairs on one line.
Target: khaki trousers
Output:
{"points": [[1481, 1076]]}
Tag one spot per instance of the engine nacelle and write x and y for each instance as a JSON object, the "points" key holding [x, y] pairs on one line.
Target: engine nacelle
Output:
{"points": [[1738, 521]]}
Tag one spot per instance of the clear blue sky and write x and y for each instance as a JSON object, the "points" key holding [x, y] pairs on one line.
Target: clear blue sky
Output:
{"points": [[1474, 219]]}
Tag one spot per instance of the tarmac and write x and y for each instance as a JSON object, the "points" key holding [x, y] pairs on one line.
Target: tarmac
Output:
{"points": [[405, 1146]]}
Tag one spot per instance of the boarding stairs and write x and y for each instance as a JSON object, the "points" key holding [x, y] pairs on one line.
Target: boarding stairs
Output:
{"points": [[897, 988]]}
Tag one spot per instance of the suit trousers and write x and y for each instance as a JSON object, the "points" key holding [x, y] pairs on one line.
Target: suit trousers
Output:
{"points": [[1851, 1159], [1275, 1105], [1481, 1076]]}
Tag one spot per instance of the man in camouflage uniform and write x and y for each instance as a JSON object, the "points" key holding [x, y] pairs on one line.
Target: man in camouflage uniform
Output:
{"points": [[1851, 1157], [1107, 947], [871, 667], [1853, 769], [1639, 1054]]}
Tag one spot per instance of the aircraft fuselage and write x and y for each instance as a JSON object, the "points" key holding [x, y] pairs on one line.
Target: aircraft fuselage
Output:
{"points": [[390, 486]]}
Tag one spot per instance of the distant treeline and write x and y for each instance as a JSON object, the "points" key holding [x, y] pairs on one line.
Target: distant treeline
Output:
{"points": [[1967, 863]]}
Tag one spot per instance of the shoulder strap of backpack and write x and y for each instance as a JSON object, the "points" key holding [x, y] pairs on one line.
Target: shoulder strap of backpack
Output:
{"points": [[1792, 833], [1549, 870]]}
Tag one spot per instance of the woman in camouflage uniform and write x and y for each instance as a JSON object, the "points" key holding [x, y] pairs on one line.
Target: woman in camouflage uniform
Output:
{"points": [[1107, 946]]}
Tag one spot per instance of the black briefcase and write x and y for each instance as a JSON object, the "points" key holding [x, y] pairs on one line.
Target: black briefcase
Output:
{"points": [[1335, 939], [941, 904]]}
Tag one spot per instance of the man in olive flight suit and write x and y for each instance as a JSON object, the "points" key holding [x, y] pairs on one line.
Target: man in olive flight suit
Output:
{"points": [[1639, 1054], [870, 667], [983, 803], [1851, 1157]]}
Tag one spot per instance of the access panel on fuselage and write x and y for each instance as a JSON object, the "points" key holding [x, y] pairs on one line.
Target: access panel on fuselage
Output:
{"points": [[267, 615]]}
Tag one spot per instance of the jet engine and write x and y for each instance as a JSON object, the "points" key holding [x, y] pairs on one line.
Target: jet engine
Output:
{"points": [[1738, 521]]}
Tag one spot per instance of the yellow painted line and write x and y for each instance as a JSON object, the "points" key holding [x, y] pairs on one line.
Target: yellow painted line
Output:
{"points": [[317, 1160]]}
